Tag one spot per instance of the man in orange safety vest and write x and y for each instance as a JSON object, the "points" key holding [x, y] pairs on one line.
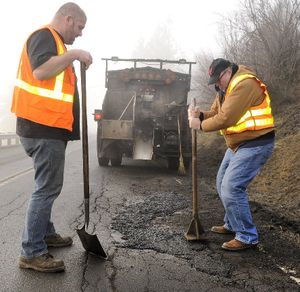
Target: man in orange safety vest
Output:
{"points": [[46, 103]]}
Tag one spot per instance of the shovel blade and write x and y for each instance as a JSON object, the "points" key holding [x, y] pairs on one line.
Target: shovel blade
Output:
{"points": [[91, 243], [195, 231]]}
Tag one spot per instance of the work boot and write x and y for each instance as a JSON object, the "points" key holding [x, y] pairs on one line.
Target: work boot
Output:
{"points": [[221, 230], [236, 245], [44, 263], [58, 241]]}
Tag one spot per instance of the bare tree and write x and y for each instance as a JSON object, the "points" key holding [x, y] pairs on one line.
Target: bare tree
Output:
{"points": [[160, 45], [265, 34], [203, 93]]}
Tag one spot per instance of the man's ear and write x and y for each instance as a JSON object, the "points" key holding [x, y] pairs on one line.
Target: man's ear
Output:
{"points": [[69, 19]]}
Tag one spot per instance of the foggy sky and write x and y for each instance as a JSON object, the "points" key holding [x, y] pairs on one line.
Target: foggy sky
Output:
{"points": [[113, 29]]}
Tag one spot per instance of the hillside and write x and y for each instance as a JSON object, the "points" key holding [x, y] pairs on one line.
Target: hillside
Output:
{"points": [[278, 185]]}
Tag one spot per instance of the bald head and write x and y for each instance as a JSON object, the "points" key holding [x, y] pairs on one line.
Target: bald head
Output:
{"points": [[70, 9], [69, 21]]}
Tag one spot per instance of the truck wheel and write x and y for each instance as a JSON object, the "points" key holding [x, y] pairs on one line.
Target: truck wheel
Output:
{"points": [[116, 161], [103, 161], [186, 162], [173, 163]]}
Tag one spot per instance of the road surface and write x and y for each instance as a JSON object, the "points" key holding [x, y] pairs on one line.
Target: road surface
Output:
{"points": [[139, 212]]}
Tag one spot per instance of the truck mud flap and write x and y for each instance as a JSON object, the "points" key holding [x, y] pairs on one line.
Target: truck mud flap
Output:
{"points": [[143, 148]]}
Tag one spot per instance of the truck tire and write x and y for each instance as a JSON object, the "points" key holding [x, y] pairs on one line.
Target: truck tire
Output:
{"points": [[173, 163], [187, 162], [103, 161], [116, 161]]}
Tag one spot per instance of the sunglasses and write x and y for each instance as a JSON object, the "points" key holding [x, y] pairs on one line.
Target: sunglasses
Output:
{"points": [[221, 75]]}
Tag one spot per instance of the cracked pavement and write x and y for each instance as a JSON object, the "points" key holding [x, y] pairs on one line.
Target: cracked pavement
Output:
{"points": [[139, 213]]}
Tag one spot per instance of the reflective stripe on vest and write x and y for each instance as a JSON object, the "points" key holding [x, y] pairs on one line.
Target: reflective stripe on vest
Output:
{"points": [[56, 93], [257, 117]]}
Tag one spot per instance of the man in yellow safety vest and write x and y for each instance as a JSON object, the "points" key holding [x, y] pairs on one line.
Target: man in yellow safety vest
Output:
{"points": [[242, 112]]}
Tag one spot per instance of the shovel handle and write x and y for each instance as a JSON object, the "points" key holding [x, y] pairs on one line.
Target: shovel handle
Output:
{"points": [[194, 169], [85, 150]]}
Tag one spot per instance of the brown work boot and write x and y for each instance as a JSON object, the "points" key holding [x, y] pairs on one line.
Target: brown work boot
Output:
{"points": [[44, 263], [221, 230], [58, 241], [235, 245]]}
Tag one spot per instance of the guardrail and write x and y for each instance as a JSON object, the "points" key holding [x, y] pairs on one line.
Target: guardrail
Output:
{"points": [[9, 139]]}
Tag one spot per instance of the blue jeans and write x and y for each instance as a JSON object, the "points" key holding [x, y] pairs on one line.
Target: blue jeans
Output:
{"points": [[48, 157], [237, 170]]}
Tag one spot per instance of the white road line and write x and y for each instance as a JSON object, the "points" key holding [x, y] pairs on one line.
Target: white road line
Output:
{"points": [[11, 178], [15, 176]]}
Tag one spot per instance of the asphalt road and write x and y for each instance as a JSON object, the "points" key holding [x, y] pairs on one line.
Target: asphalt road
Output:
{"points": [[139, 212]]}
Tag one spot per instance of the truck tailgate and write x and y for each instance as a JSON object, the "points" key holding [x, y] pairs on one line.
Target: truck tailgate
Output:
{"points": [[117, 129]]}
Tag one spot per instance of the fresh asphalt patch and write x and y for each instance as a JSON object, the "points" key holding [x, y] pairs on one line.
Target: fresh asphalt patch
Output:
{"points": [[156, 224]]}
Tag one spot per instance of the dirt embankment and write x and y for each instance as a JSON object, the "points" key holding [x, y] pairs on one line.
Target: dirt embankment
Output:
{"points": [[278, 185]]}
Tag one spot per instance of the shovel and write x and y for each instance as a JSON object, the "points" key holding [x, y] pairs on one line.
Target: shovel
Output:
{"points": [[90, 242], [195, 230]]}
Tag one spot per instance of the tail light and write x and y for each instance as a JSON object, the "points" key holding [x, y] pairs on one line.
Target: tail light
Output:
{"points": [[98, 115]]}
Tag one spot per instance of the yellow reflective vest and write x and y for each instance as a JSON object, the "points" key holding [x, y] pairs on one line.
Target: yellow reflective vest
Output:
{"points": [[257, 117], [47, 102]]}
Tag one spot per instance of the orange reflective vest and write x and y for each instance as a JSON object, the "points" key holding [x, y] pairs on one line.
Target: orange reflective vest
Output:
{"points": [[47, 102], [257, 117]]}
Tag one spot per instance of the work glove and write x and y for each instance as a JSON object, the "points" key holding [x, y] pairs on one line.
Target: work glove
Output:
{"points": [[194, 123], [194, 111]]}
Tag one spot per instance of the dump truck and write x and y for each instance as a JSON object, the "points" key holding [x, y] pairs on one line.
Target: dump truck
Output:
{"points": [[144, 112]]}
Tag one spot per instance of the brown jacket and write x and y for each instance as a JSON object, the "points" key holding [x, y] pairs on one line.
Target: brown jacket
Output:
{"points": [[247, 93]]}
